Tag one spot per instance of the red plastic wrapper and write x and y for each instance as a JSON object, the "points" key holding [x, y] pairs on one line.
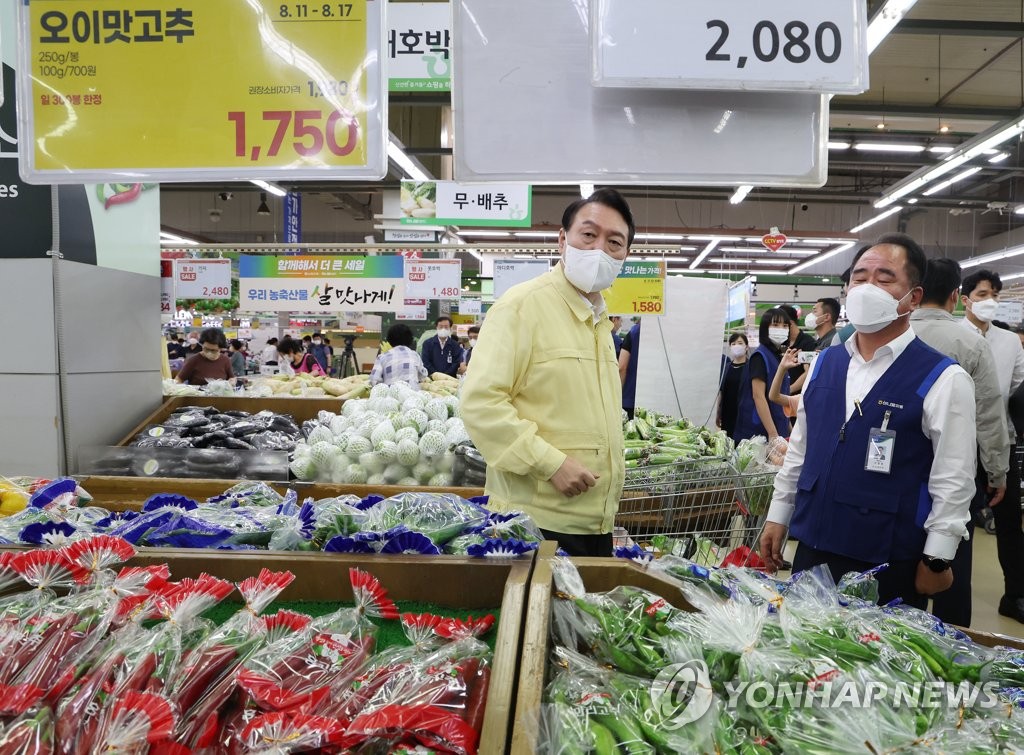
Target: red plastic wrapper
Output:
{"points": [[137, 720], [31, 733], [297, 732]]}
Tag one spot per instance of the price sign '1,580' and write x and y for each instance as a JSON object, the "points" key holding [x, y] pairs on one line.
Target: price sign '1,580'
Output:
{"points": [[785, 45]]}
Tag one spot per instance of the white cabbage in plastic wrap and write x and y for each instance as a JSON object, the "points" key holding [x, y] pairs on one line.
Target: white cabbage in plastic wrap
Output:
{"points": [[322, 453], [456, 435], [414, 402], [376, 480], [372, 462], [437, 409], [339, 424], [354, 475], [394, 473], [418, 420], [400, 392], [337, 470], [341, 441], [354, 408], [320, 434], [407, 433], [408, 453], [388, 450], [436, 426], [440, 480], [382, 432], [408, 482], [445, 463], [303, 468], [432, 444], [379, 391], [423, 472], [357, 446], [219, 388]]}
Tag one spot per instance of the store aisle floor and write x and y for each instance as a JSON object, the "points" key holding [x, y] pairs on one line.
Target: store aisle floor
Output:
{"points": [[987, 588]]}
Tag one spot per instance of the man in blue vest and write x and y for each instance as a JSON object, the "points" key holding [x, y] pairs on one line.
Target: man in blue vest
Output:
{"points": [[441, 352], [881, 463]]}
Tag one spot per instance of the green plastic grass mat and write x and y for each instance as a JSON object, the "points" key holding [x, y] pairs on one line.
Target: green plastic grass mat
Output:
{"points": [[389, 633]]}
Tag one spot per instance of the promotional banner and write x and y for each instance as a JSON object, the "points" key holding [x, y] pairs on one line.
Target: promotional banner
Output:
{"points": [[305, 101], [166, 287], [433, 279], [451, 203], [419, 41], [321, 284], [639, 289], [202, 279], [293, 218], [508, 273]]}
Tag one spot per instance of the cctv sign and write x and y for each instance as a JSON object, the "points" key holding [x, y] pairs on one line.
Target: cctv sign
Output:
{"points": [[202, 279]]}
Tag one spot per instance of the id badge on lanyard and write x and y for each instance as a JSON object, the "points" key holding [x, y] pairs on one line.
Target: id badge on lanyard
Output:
{"points": [[881, 447]]}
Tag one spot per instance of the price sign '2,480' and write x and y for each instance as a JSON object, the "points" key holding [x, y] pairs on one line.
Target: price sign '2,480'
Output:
{"points": [[200, 89]]}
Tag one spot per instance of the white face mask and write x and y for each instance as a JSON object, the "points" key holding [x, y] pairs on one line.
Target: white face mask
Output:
{"points": [[472, 342], [737, 350], [871, 309], [778, 336], [443, 333], [985, 310], [317, 342], [811, 321], [590, 270]]}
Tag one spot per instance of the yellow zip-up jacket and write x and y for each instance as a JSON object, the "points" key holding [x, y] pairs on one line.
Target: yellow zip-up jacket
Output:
{"points": [[543, 384]]}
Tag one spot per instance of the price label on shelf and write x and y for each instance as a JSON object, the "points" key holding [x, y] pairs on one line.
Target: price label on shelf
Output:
{"points": [[201, 89], [639, 290], [433, 279], [202, 279], [750, 45]]}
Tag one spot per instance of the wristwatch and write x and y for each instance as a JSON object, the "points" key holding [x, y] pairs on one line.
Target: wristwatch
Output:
{"points": [[937, 565]]}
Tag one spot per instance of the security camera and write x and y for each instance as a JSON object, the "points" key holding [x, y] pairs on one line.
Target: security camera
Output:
{"points": [[804, 207], [226, 196], [215, 215]]}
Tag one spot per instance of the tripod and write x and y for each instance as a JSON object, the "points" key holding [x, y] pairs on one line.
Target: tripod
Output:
{"points": [[349, 362]]}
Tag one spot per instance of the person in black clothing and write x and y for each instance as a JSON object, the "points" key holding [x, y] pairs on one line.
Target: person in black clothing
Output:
{"points": [[176, 349], [797, 340], [731, 383], [442, 353]]}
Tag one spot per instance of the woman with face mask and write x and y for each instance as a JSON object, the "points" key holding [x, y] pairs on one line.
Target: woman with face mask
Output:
{"points": [[210, 363], [734, 370], [757, 415]]}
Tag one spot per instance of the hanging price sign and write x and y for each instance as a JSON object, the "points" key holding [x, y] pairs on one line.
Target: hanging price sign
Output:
{"points": [[200, 90], [639, 290], [433, 279], [202, 279]]}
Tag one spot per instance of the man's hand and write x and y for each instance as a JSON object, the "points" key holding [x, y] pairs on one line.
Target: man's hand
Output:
{"points": [[572, 478], [773, 540], [928, 582], [997, 495]]}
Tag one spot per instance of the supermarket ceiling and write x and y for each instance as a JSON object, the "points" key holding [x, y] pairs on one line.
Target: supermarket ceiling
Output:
{"points": [[949, 71]]}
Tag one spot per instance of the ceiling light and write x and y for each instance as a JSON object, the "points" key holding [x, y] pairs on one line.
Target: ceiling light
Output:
{"points": [[1015, 276], [912, 200], [660, 236], [876, 219], [411, 168], [820, 241], [887, 147], [821, 258], [586, 189], [885, 20], [949, 182], [1014, 251], [715, 238], [173, 238], [704, 252], [999, 157], [880, 125], [729, 261], [1019, 210], [941, 150], [740, 194], [277, 191], [838, 145], [943, 129], [264, 208], [535, 234], [486, 234], [778, 262]]}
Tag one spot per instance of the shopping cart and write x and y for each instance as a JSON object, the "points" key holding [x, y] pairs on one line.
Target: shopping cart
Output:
{"points": [[710, 508]]}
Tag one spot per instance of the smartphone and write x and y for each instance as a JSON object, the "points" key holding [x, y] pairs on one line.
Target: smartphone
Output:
{"points": [[806, 357]]}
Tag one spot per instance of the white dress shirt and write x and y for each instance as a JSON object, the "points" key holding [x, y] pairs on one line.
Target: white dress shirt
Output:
{"points": [[1009, 356], [947, 420]]}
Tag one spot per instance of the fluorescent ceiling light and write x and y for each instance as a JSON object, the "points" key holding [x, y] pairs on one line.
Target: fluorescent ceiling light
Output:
{"points": [[277, 191], [912, 200], [729, 261], [715, 238], [173, 238], [660, 236], [704, 252], [821, 241], [1019, 210], [941, 150], [885, 20], [949, 182], [1015, 276], [535, 234], [887, 147], [777, 262], [740, 194], [411, 168], [838, 145], [820, 258], [486, 234], [876, 219], [999, 157], [586, 189], [1013, 251]]}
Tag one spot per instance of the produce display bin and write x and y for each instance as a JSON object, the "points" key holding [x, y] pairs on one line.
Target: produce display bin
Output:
{"points": [[450, 581], [129, 493], [600, 575]]}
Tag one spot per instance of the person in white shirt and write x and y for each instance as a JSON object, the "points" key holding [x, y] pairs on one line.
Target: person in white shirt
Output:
{"points": [[980, 294], [268, 356], [876, 470]]}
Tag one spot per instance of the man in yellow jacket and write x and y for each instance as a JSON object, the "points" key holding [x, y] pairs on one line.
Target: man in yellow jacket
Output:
{"points": [[543, 406]]}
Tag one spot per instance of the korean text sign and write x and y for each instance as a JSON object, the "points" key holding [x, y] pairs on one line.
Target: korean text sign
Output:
{"points": [[201, 88], [202, 279], [639, 289], [433, 279], [451, 203], [419, 47], [321, 284]]}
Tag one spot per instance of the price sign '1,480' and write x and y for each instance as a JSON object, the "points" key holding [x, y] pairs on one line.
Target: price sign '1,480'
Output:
{"points": [[785, 45], [200, 89]]}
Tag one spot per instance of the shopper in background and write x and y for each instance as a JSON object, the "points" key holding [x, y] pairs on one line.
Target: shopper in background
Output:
{"points": [[934, 324], [175, 349], [629, 360], [790, 359], [876, 470], [822, 320], [846, 332], [756, 414], [980, 294], [307, 343], [797, 340], [442, 353], [734, 367], [330, 355], [236, 354], [545, 412], [193, 346], [400, 363], [268, 356], [467, 353], [319, 352], [295, 360], [616, 338], [209, 364]]}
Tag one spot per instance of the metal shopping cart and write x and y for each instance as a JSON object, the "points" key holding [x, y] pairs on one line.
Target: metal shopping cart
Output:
{"points": [[706, 505]]}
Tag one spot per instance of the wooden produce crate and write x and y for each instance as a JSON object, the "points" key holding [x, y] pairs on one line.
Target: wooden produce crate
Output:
{"points": [[450, 581], [129, 493], [600, 575]]}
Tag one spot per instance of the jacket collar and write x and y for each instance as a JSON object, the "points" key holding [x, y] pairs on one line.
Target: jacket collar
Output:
{"points": [[579, 306], [931, 313]]}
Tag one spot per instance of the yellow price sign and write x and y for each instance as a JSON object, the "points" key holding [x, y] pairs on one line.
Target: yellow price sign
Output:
{"points": [[638, 290], [201, 89]]}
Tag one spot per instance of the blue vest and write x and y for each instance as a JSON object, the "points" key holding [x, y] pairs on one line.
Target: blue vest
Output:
{"points": [[629, 386], [748, 421], [840, 507]]}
